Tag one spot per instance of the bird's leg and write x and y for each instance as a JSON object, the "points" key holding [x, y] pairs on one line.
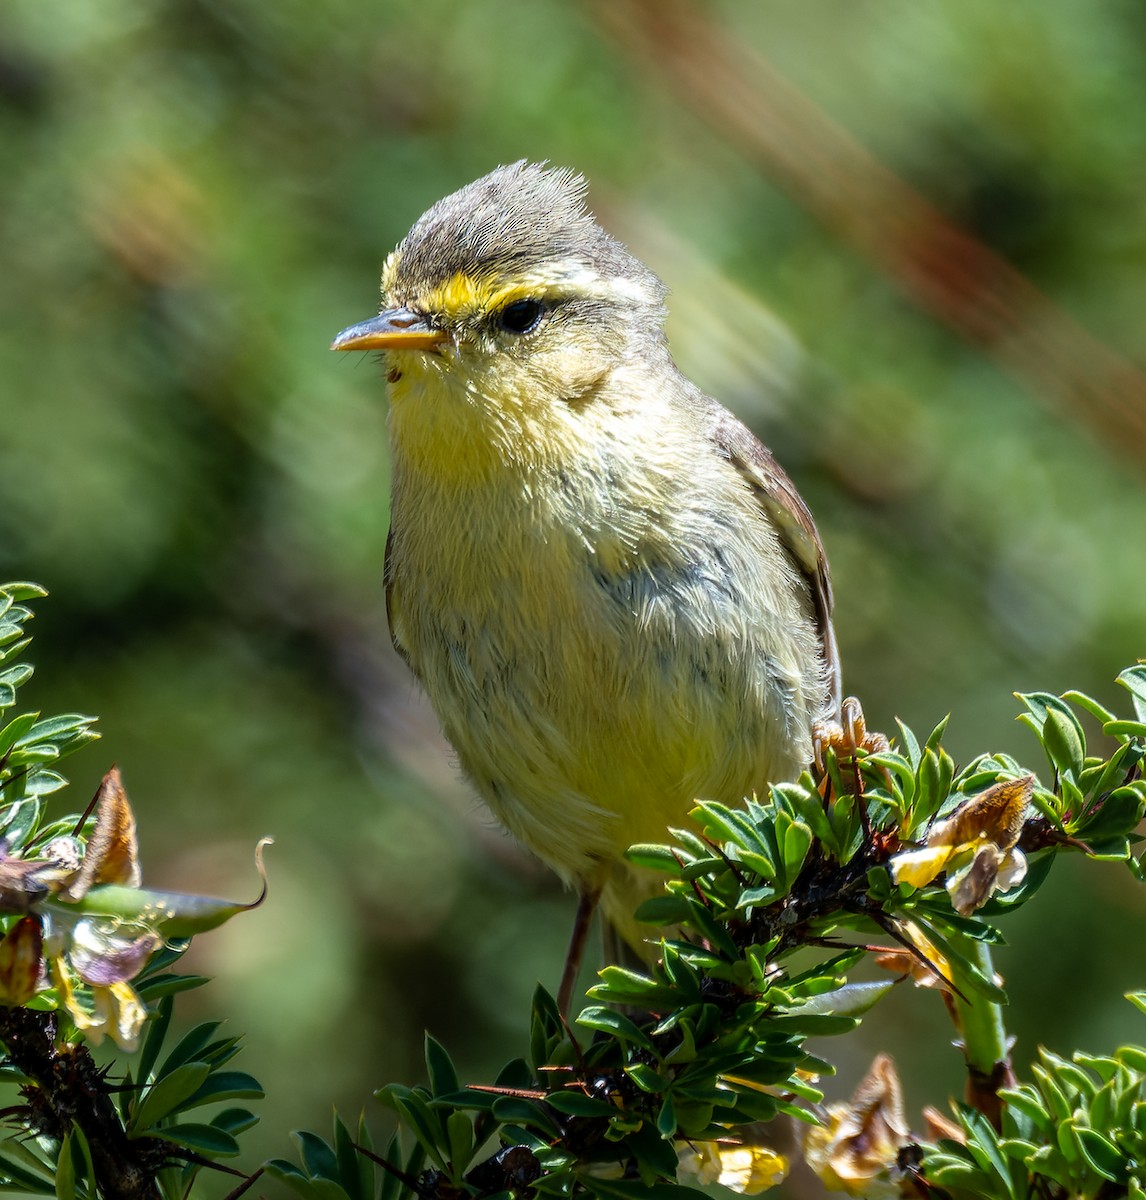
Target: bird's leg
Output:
{"points": [[845, 736], [586, 906]]}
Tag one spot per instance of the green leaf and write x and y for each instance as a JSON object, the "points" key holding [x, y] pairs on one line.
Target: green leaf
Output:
{"points": [[224, 1085], [846, 827], [1064, 740], [764, 865], [290, 1176], [1057, 1102], [440, 1068], [66, 1186], [609, 1020], [168, 985], [903, 774], [349, 1162], [23, 820], [1090, 705], [666, 1118], [235, 1120], [747, 828], [23, 589], [22, 1166], [929, 790], [1118, 815], [1104, 777], [367, 1172], [983, 1144], [58, 729], [165, 1096], [515, 1074], [812, 1024], [936, 735], [318, 1158], [460, 1140], [1125, 729], [545, 1028], [16, 729], [390, 1186], [14, 1178], [514, 1110], [635, 1189], [911, 749], [577, 1104], [664, 911], [158, 1023], [12, 645], [1078, 1083], [1100, 1153], [1134, 680], [1038, 871], [646, 1078], [206, 1139], [851, 1000], [189, 1047], [622, 986], [1134, 1057], [1102, 1065], [27, 754], [654, 857], [795, 839], [13, 677], [413, 1107]]}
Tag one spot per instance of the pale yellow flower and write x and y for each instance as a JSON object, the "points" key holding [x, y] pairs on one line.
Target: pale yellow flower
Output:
{"points": [[746, 1170], [856, 1149], [977, 845], [116, 1009], [104, 958]]}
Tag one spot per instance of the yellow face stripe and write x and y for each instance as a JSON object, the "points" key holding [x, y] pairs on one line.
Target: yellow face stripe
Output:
{"points": [[461, 296], [464, 296]]}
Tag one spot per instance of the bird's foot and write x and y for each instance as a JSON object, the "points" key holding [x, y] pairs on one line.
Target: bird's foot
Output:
{"points": [[845, 736]]}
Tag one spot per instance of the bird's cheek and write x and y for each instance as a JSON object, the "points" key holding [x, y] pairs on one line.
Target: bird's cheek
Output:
{"points": [[575, 375]]}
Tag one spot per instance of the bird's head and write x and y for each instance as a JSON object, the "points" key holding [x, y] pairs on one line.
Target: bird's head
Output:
{"points": [[509, 294]]}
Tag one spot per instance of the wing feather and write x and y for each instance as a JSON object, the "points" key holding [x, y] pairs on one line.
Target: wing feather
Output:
{"points": [[792, 520]]}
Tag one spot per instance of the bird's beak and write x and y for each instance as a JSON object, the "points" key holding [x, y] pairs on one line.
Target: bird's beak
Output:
{"points": [[394, 329]]}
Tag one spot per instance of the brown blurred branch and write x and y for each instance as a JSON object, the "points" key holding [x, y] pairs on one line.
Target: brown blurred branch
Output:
{"points": [[941, 267]]}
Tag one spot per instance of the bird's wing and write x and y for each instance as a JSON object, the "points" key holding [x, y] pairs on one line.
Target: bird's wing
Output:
{"points": [[388, 583], [792, 520]]}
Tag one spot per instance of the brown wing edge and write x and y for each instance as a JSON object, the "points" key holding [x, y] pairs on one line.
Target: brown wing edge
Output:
{"points": [[388, 585], [793, 520]]}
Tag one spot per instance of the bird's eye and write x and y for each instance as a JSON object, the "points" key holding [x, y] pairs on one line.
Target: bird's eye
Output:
{"points": [[522, 316]]}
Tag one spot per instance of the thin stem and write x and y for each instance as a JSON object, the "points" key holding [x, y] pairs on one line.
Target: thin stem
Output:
{"points": [[986, 1047]]}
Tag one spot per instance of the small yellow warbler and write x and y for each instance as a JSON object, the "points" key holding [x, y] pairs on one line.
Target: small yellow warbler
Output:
{"points": [[613, 595]]}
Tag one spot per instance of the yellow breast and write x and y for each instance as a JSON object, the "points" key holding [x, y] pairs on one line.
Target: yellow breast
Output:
{"points": [[600, 615]]}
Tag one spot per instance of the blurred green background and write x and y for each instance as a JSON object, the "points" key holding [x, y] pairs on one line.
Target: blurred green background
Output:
{"points": [[195, 195]]}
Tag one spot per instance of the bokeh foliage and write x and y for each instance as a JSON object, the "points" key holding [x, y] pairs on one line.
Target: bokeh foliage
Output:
{"points": [[197, 194]]}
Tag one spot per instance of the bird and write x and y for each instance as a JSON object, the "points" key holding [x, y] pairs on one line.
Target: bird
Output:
{"points": [[614, 597]]}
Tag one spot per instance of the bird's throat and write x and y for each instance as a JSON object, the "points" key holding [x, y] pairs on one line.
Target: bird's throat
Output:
{"points": [[454, 432]]}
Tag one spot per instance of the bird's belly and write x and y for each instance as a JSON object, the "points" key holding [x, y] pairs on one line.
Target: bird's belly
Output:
{"points": [[591, 708]]}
